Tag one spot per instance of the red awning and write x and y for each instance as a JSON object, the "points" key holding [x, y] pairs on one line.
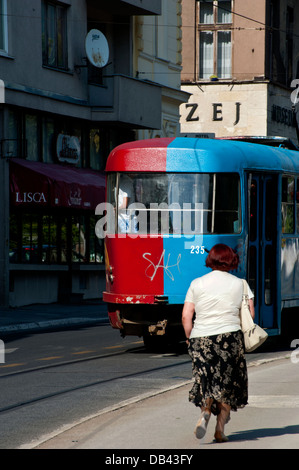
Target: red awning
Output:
{"points": [[50, 185]]}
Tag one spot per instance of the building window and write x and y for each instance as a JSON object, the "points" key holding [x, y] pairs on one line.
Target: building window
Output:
{"points": [[161, 34], [224, 11], [289, 44], [32, 136], [48, 139], [3, 26], [54, 35], [15, 144], [215, 41], [96, 149]]}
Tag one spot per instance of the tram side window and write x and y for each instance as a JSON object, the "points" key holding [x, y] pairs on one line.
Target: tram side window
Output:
{"points": [[227, 204], [297, 205], [178, 203], [288, 205]]}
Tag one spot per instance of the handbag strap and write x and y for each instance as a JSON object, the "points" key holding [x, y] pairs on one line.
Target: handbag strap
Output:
{"points": [[245, 288]]}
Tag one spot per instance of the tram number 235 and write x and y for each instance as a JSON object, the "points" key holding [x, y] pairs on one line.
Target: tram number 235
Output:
{"points": [[197, 250]]}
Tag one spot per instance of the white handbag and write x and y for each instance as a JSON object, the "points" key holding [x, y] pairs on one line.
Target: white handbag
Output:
{"points": [[254, 335]]}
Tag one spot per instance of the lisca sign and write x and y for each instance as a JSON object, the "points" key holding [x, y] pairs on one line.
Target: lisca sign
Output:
{"points": [[29, 197]]}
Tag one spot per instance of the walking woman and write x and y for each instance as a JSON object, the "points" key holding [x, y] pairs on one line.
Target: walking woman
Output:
{"points": [[215, 341]]}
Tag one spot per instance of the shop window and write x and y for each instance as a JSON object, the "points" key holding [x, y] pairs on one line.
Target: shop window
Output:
{"points": [[62, 238], [54, 239], [14, 245], [78, 239], [287, 205], [54, 35], [30, 235], [96, 245], [49, 239]]}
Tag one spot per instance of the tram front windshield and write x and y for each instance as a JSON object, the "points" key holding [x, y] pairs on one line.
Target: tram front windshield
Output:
{"points": [[170, 203]]}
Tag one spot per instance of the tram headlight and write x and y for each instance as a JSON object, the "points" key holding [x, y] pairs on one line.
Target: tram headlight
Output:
{"points": [[110, 275]]}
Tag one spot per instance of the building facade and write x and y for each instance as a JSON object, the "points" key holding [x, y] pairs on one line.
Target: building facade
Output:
{"points": [[240, 66], [158, 58], [60, 115]]}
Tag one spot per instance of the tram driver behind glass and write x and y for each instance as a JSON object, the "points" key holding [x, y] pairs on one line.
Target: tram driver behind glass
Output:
{"points": [[215, 341], [126, 219]]}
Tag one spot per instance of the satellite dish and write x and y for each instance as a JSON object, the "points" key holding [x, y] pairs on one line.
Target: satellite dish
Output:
{"points": [[97, 49]]}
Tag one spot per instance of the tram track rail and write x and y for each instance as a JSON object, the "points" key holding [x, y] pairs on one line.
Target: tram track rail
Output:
{"points": [[65, 363], [47, 396]]}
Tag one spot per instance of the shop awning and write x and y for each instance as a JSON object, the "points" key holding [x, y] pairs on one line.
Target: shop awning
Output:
{"points": [[51, 185]]}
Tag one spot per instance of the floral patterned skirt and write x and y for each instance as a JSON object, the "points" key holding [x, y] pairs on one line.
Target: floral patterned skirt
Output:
{"points": [[219, 370]]}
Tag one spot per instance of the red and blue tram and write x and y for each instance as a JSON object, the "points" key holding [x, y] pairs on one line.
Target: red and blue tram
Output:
{"points": [[172, 199]]}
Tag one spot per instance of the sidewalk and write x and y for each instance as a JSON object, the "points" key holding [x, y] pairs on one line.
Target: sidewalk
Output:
{"points": [[166, 420], [48, 316]]}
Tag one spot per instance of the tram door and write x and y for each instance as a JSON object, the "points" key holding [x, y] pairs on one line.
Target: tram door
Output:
{"points": [[262, 259]]}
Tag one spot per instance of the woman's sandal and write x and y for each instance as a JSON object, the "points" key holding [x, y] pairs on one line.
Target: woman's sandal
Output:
{"points": [[202, 424]]}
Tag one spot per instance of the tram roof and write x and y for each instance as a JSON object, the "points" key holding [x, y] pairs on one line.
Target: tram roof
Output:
{"points": [[186, 154]]}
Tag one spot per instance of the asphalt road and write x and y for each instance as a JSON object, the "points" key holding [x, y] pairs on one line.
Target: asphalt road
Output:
{"points": [[55, 381]]}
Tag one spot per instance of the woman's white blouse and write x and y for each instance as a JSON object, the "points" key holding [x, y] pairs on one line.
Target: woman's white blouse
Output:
{"points": [[217, 297]]}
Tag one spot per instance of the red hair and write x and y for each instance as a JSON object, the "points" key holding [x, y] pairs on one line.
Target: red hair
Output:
{"points": [[222, 257]]}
